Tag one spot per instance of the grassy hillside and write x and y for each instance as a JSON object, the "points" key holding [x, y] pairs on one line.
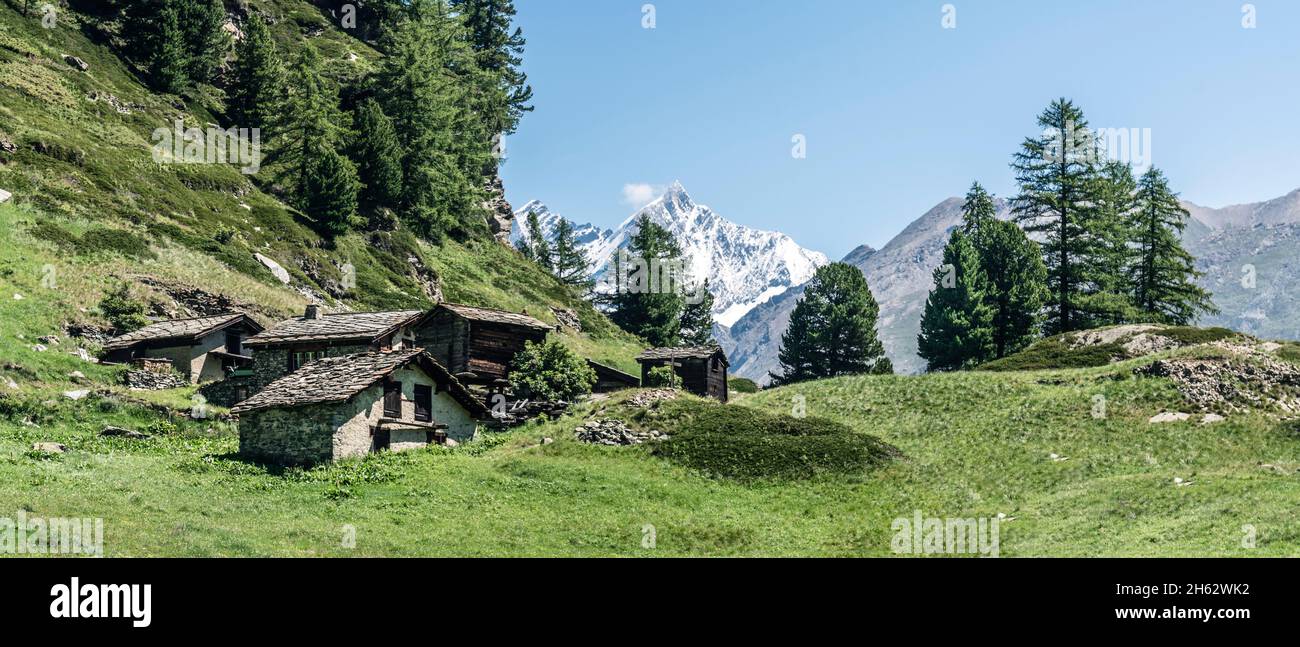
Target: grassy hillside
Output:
{"points": [[92, 205], [970, 444]]}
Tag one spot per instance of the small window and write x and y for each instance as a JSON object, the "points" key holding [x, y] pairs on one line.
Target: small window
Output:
{"points": [[423, 403], [393, 399], [234, 342]]}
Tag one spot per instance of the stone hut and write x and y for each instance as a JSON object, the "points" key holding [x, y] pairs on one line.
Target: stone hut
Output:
{"points": [[478, 341], [703, 370], [291, 344], [202, 349], [341, 407], [610, 379]]}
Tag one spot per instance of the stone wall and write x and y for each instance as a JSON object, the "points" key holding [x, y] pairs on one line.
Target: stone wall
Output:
{"points": [[271, 364], [150, 380], [299, 436], [228, 392]]}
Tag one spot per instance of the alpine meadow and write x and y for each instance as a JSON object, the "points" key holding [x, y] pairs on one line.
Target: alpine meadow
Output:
{"points": [[418, 278]]}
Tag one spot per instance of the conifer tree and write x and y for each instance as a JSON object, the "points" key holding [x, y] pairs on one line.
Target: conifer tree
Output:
{"points": [[378, 156], [207, 42], [570, 264], [697, 318], [165, 52], [1056, 172], [957, 324], [649, 310], [832, 331], [1115, 199], [424, 92], [535, 247], [1015, 280], [257, 86], [498, 53], [331, 189], [1164, 274]]}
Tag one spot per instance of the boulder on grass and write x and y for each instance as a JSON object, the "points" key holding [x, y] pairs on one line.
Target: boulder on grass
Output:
{"points": [[49, 448], [119, 432]]}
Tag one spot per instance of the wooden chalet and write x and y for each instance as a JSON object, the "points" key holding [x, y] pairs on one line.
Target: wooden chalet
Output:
{"points": [[477, 344], [204, 349], [703, 370]]}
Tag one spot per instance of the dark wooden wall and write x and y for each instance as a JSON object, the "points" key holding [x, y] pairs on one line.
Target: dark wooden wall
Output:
{"points": [[703, 377]]}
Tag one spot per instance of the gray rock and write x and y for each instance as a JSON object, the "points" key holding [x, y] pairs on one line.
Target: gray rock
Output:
{"points": [[76, 62], [614, 433], [5, 195], [49, 447], [281, 274], [76, 395], [119, 432], [1169, 416]]}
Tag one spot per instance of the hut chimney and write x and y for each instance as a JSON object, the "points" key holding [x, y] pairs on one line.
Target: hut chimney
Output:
{"points": [[313, 312]]}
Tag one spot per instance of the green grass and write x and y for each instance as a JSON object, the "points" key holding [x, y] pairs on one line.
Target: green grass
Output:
{"points": [[1055, 352]]}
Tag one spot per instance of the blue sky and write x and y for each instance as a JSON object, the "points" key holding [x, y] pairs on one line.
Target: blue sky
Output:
{"points": [[898, 112]]}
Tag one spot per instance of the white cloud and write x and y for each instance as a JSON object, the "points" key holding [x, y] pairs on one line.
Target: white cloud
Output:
{"points": [[640, 194]]}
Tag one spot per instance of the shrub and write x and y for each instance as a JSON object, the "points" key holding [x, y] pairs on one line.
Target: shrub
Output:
{"points": [[1290, 352], [118, 241], [663, 377], [1055, 353], [727, 441], [550, 371], [122, 311], [742, 384], [1190, 335]]}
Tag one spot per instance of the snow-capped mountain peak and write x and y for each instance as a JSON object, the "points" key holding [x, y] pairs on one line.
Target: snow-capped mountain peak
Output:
{"points": [[745, 266]]}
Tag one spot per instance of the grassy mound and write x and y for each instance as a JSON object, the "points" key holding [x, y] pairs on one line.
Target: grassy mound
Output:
{"points": [[741, 385], [1056, 352], [732, 442]]}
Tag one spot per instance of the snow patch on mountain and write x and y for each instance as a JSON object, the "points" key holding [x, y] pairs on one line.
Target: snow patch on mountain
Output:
{"points": [[745, 267]]}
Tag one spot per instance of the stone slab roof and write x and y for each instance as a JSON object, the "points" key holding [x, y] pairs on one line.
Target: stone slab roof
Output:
{"points": [[181, 331], [474, 313], [612, 373], [682, 352], [343, 326], [338, 379]]}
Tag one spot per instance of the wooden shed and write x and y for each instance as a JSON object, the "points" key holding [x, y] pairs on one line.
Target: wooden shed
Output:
{"points": [[703, 370], [477, 344], [202, 349], [610, 379]]}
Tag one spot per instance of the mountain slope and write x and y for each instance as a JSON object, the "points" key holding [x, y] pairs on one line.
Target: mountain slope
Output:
{"points": [[745, 266], [900, 277], [1231, 245], [92, 205]]}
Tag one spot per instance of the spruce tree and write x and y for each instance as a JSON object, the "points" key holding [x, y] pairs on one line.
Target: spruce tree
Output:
{"points": [[640, 306], [331, 189], [378, 156], [426, 89], [1056, 172], [308, 126], [1015, 280], [535, 247], [1164, 274], [1015, 285], [257, 86], [498, 53], [569, 264], [1115, 199], [832, 331], [697, 318], [957, 324], [207, 42], [166, 55]]}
